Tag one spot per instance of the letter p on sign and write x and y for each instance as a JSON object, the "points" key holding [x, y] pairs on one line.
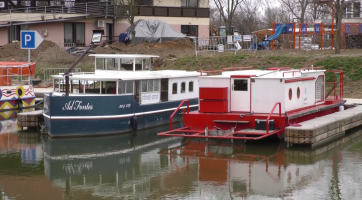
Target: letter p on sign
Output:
{"points": [[27, 39]]}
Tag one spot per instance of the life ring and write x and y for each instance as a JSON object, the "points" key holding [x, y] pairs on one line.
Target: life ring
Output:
{"points": [[20, 92]]}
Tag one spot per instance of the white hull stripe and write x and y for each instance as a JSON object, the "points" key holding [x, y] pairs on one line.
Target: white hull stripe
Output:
{"points": [[115, 116]]}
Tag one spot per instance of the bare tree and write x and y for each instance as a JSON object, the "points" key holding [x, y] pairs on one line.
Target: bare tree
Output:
{"points": [[274, 14], [337, 7], [297, 8], [227, 9], [129, 10]]}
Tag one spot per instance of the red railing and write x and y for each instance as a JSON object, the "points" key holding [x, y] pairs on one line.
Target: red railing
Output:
{"points": [[290, 72], [271, 112], [173, 114], [279, 68], [336, 84], [312, 68], [224, 69]]}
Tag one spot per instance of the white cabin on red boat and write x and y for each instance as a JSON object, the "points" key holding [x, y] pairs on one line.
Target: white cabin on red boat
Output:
{"points": [[258, 90]]}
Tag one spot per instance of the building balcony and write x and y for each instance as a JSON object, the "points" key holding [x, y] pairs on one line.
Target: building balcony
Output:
{"points": [[172, 11]]}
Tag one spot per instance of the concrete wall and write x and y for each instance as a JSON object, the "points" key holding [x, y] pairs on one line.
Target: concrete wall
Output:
{"points": [[4, 36]]}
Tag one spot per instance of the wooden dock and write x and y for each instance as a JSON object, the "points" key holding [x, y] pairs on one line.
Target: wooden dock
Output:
{"points": [[324, 128], [30, 119]]}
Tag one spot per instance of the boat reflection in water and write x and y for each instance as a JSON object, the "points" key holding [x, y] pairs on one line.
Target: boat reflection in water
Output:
{"points": [[112, 166], [147, 166], [10, 142]]}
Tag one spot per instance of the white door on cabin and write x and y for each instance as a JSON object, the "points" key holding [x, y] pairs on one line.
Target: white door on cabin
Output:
{"points": [[240, 95]]}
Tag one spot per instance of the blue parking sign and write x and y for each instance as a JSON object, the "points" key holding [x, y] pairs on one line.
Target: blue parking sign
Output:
{"points": [[30, 39]]}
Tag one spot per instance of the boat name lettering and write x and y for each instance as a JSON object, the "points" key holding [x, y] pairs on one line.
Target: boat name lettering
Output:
{"points": [[77, 105], [149, 96], [125, 106]]}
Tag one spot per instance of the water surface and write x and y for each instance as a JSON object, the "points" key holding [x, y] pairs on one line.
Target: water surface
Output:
{"points": [[146, 166]]}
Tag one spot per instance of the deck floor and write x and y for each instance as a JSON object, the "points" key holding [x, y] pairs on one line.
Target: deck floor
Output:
{"points": [[321, 128]]}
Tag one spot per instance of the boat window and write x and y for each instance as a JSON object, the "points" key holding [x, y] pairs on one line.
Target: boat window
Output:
{"points": [[127, 64], [319, 89], [111, 64], [151, 85], [111, 87], [100, 63], [144, 85], [174, 88], [183, 87], [191, 86], [129, 87], [125, 87], [92, 87], [76, 87], [147, 64], [156, 85], [138, 64], [240, 85]]}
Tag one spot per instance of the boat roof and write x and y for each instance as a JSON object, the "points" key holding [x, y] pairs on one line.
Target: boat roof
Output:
{"points": [[15, 64], [255, 73], [123, 56], [131, 75]]}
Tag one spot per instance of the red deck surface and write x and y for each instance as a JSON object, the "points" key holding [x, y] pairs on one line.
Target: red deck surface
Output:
{"points": [[196, 122]]}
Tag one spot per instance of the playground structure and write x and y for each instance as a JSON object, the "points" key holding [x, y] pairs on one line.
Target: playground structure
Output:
{"points": [[308, 36]]}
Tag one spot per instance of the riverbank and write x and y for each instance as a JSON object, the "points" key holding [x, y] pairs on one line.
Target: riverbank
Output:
{"points": [[181, 55]]}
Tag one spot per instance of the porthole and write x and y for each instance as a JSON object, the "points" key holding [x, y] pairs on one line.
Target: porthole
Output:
{"points": [[290, 94], [298, 92]]}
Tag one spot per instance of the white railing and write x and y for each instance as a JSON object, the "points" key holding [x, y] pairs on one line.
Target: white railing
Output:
{"points": [[47, 72], [224, 43]]}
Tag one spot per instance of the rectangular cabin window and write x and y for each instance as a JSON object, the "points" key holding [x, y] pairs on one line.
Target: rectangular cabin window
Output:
{"points": [[111, 64], [147, 64], [127, 64], [138, 64], [174, 88], [191, 86], [151, 85], [240, 85], [144, 85], [92, 87], [183, 87], [156, 85], [100, 63], [125, 87]]}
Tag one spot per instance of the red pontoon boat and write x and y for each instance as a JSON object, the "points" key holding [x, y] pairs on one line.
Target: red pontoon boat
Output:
{"points": [[253, 104]]}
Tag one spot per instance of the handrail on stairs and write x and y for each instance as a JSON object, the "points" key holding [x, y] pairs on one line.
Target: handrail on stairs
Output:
{"points": [[271, 112], [188, 110]]}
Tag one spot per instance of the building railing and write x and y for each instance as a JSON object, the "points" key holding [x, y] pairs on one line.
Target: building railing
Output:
{"points": [[55, 13], [106, 9], [172, 11]]}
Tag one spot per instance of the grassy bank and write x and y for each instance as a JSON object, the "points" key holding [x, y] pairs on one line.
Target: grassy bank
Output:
{"points": [[350, 62]]}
